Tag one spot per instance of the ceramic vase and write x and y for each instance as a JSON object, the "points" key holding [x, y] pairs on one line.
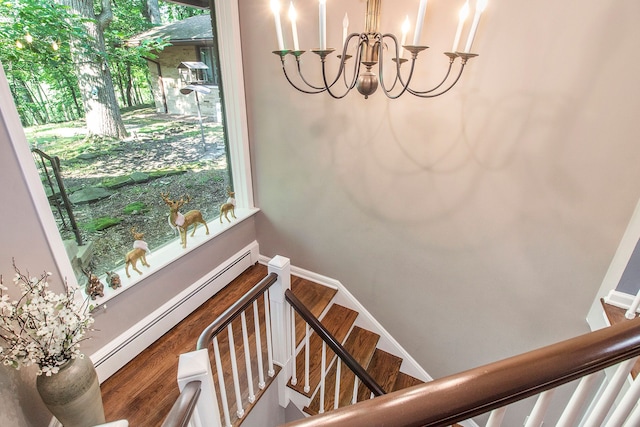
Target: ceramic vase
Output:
{"points": [[73, 394]]}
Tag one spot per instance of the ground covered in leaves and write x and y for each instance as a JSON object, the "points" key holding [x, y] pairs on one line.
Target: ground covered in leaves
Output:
{"points": [[124, 179]]}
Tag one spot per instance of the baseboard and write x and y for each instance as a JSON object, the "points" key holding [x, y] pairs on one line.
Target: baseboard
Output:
{"points": [[364, 320], [619, 299], [132, 342]]}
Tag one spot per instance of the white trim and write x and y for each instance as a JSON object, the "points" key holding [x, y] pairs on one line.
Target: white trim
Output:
{"points": [[130, 343], [619, 299], [17, 138], [616, 269], [364, 320], [230, 49]]}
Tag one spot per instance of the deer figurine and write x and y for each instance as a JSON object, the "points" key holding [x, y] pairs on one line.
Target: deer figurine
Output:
{"points": [[139, 252], [94, 287], [113, 279], [228, 207], [182, 222]]}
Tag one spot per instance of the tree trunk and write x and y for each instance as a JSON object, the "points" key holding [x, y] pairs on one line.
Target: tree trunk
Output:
{"points": [[102, 113], [153, 12]]}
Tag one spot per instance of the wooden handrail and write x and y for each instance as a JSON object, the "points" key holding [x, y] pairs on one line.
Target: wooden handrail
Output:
{"points": [[182, 409], [332, 342], [461, 396], [234, 311]]}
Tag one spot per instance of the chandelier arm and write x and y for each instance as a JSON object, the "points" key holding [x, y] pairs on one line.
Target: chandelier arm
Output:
{"points": [[398, 76], [328, 87], [356, 65], [446, 76], [425, 95], [310, 92], [318, 88]]}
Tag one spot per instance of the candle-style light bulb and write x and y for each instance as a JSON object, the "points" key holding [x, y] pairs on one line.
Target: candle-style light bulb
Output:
{"points": [[275, 8], [323, 24], [345, 28], [405, 29], [420, 20], [294, 29], [462, 17], [480, 6]]}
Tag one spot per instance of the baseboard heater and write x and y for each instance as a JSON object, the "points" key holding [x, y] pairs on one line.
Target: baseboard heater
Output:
{"points": [[132, 342]]}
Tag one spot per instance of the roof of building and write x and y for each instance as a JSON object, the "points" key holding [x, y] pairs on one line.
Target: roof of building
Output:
{"points": [[192, 30]]}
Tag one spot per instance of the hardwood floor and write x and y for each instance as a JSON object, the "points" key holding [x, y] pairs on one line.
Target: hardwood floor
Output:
{"points": [[144, 390]]}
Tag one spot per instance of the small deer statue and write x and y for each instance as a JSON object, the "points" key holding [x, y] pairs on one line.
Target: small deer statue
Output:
{"points": [[94, 287], [139, 252], [113, 279], [182, 222], [228, 207]]}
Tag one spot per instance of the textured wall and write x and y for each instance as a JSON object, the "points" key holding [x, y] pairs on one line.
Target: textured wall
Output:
{"points": [[476, 225]]}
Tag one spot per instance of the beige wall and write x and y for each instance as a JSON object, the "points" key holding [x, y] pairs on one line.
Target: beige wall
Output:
{"points": [[476, 225]]}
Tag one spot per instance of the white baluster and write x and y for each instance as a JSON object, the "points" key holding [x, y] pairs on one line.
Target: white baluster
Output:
{"points": [[323, 374], [267, 323], [247, 357], [294, 375], [354, 397], [603, 405], [234, 371], [256, 326], [496, 417], [634, 418], [223, 390], [625, 406], [306, 358], [540, 409], [195, 366], [336, 396], [579, 397]]}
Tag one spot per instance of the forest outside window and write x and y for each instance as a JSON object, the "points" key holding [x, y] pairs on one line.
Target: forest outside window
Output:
{"points": [[123, 153]]}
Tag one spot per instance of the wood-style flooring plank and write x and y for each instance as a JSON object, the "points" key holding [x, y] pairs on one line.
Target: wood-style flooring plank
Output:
{"points": [[314, 296], [384, 369], [405, 381], [144, 390], [361, 344], [338, 322]]}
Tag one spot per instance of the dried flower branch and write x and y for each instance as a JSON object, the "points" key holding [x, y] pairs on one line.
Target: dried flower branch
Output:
{"points": [[41, 327]]}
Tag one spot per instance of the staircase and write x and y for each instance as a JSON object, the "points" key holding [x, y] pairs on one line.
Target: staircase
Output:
{"points": [[361, 343], [341, 322]]}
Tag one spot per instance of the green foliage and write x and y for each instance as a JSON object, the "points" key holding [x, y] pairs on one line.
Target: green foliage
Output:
{"points": [[135, 208], [36, 39], [100, 224]]}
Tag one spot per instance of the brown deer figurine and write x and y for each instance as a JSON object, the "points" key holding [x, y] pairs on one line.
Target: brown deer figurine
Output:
{"points": [[94, 287], [182, 222], [228, 207], [139, 252]]}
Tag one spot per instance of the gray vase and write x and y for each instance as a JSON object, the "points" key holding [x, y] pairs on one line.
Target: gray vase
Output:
{"points": [[73, 394]]}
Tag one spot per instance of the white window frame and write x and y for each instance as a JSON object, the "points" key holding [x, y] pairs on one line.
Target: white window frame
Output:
{"points": [[232, 75]]}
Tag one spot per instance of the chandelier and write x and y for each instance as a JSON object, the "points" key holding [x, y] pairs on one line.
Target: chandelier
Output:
{"points": [[371, 47]]}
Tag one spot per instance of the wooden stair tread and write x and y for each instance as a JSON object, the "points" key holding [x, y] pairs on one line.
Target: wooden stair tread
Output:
{"points": [[361, 344], [405, 381], [338, 322], [384, 369], [314, 296]]}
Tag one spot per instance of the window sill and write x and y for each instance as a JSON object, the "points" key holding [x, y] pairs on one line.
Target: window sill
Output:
{"points": [[165, 255]]}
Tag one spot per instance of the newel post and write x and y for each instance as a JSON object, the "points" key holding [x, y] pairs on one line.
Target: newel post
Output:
{"points": [[195, 366], [281, 323]]}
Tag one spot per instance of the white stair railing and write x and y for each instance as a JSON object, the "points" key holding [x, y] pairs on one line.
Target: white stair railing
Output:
{"points": [[196, 365]]}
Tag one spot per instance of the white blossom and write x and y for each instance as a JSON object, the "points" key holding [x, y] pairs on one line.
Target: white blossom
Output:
{"points": [[41, 327]]}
